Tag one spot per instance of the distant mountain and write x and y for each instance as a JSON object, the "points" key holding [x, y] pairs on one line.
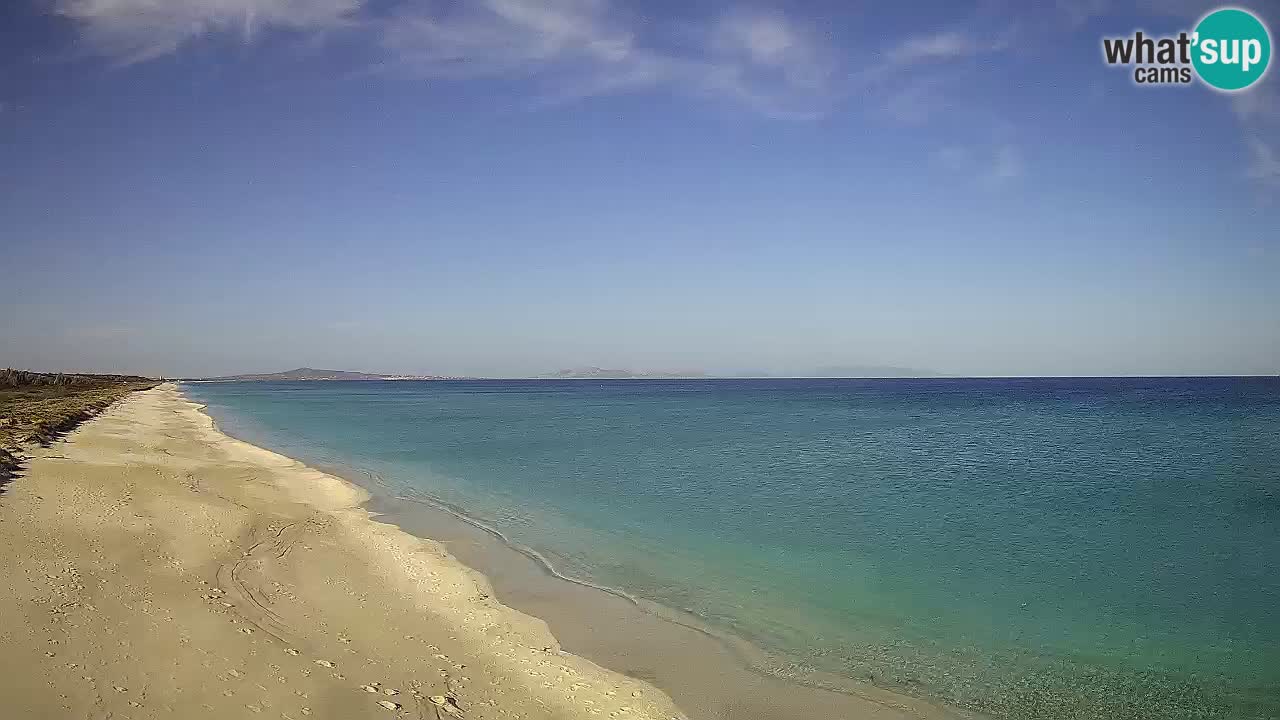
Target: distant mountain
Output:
{"points": [[596, 373], [872, 371], [314, 374]]}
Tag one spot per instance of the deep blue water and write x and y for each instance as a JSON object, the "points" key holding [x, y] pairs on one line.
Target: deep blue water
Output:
{"points": [[1039, 548]]}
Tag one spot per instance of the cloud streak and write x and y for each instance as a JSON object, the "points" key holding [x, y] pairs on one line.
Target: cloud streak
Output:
{"points": [[576, 48], [132, 31], [1264, 163], [945, 45], [566, 48], [911, 79], [1257, 111], [506, 36]]}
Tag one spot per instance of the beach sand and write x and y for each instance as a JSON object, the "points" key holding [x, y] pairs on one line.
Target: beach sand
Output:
{"points": [[155, 567]]}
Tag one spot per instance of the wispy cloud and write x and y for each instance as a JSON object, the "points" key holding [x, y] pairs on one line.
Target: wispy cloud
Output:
{"points": [[1258, 105], [575, 48], [766, 60], [913, 79], [132, 31], [771, 42], [1264, 163], [944, 45], [505, 36], [1257, 110], [564, 48]]}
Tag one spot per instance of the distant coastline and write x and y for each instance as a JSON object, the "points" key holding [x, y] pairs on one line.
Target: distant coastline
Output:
{"points": [[306, 374], [313, 374]]}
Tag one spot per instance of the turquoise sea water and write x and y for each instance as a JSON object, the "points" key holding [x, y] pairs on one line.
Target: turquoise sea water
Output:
{"points": [[1047, 548]]}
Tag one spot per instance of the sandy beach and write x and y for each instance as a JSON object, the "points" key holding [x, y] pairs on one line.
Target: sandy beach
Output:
{"points": [[156, 567]]}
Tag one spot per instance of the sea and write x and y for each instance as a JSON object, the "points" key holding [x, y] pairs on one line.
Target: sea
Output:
{"points": [[1042, 548]]}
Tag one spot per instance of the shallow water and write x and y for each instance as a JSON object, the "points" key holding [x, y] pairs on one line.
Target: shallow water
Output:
{"points": [[1053, 548]]}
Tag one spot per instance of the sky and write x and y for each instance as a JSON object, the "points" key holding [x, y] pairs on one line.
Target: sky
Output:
{"points": [[509, 187]]}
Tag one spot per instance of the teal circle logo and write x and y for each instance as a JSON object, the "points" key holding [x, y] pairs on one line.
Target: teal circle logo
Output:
{"points": [[1232, 49]]}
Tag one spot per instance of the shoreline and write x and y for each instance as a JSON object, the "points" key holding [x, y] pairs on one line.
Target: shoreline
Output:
{"points": [[158, 567], [748, 670]]}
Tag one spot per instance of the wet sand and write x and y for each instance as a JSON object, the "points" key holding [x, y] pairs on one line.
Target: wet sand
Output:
{"points": [[709, 675]]}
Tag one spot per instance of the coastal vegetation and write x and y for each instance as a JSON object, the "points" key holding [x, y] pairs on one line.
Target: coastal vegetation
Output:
{"points": [[37, 407]]}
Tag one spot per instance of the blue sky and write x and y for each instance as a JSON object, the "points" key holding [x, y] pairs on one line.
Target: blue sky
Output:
{"points": [[505, 187]]}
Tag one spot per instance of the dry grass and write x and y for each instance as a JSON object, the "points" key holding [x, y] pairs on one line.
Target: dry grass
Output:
{"points": [[38, 407]]}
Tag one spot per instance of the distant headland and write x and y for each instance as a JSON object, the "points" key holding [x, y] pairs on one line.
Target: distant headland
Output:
{"points": [[305, 373]]}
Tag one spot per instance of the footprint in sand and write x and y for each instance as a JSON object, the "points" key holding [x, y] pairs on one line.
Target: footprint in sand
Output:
{"points": [[325, 663], [446, 703]]}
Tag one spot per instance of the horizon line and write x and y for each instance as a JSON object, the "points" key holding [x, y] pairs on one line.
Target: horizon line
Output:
{"points": [[936, 376]]}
